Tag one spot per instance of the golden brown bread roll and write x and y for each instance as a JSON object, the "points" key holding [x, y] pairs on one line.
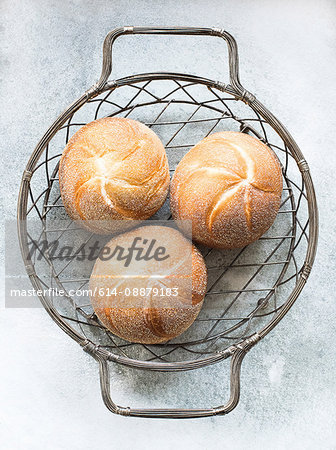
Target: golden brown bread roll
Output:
{"points": [[113, 169], [230, 186], [149, 317]]}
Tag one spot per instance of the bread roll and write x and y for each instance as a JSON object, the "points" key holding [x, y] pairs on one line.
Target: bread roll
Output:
{"points": [[149, 317], [230, 186], [113, 169]]}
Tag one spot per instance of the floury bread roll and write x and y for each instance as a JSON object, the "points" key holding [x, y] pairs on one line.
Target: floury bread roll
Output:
{"points": [[113, 169], [148, 299], [230, 186]]}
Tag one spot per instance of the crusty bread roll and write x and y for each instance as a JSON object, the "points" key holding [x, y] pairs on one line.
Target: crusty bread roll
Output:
{"points": [[149, 317], [230, 186], [113, 169]]}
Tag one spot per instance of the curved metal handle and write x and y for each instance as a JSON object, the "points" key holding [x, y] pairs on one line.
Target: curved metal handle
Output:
{"points": [[113, 35], [236, 362]]}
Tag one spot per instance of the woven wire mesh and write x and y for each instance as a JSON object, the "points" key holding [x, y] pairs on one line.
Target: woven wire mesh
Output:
{"points": [[246, 287]]}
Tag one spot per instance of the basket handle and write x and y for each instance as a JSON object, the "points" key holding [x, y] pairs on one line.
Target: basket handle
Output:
{"points": [[113, 35], [175, 413]]}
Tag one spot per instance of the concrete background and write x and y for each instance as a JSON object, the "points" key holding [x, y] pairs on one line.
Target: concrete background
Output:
{"points": [[50, 398]]}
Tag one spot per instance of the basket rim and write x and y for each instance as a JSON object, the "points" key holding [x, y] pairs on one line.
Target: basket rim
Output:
{"points": [[241, 95]]}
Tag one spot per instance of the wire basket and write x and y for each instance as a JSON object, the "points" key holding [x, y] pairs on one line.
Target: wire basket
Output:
{"points": [[249, 290]]}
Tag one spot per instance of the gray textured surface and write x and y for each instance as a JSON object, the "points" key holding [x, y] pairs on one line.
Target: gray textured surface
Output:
{"points": [[49, 390]]}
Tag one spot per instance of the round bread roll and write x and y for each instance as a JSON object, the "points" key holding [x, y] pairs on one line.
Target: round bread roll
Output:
{"points": [[133, 301], [229, 185], [113, 169]]}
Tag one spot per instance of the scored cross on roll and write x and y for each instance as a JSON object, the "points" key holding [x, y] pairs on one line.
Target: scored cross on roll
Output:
{"points": [[230, 186]]}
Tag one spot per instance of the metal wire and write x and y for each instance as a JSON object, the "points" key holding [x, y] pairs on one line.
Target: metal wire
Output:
{"points": [[249, 291], [179, 118]]}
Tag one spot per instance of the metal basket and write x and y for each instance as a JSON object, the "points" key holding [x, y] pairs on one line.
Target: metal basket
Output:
{"points": [[249, 291]]}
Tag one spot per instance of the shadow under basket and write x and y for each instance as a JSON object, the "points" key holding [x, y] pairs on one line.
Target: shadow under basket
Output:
{"points": [[249, 290]]}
